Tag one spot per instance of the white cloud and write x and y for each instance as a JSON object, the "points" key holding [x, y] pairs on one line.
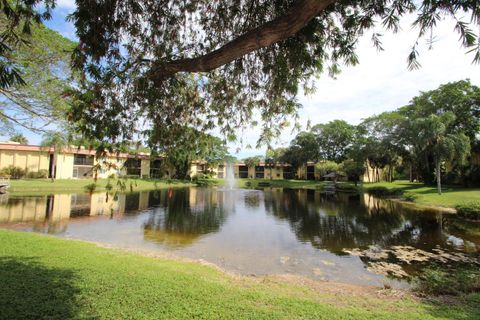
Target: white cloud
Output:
{"points": [[66, 4]]}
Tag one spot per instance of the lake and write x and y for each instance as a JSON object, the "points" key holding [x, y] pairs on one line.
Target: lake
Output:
{"points": [[347, 238]]}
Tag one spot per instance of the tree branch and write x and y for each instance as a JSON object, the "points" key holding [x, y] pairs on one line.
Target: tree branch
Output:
{"points": [[281, 28]]}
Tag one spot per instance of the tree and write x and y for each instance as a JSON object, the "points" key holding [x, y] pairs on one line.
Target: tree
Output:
{"points": [[252, 162], [326, 167], [190, 145], [36, 100], [461, 100], [353, 169], [206, 64], [272, 157], [20, 138], [433, 133], [334, 139], [17, 19], [55, 141]]}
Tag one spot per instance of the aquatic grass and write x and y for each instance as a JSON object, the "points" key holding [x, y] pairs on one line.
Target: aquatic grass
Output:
{"points": [[47, 278]]}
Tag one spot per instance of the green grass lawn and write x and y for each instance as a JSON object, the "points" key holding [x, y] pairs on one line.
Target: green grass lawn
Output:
{"points": [[427, 195], [32, 186], [43, 277]]}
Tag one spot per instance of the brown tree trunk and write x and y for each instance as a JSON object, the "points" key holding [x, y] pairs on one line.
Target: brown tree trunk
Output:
{"points": [[281, 28]]}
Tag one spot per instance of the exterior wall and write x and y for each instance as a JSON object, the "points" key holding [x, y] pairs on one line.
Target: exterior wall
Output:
{"points": [[30, 161], [275, 173], [145, 168], [64, 169]]}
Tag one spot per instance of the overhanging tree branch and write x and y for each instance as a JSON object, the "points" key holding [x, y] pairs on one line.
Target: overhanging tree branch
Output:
{"points": [[281, 28]]}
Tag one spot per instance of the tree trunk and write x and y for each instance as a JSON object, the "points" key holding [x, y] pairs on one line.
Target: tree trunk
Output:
{"points": [[439, 182], [281, 28], [54, 166]]}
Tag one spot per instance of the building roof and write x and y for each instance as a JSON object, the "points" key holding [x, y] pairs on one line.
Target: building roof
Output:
{"points": [[68, 150]]}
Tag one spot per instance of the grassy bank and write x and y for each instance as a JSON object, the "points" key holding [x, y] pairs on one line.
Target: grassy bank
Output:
{"points": [[32, 186], [44, 277], [427, 195], [424, 195], [292, 184]]}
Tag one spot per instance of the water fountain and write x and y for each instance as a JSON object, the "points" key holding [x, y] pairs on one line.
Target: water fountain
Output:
{"points": [[230, 176]]}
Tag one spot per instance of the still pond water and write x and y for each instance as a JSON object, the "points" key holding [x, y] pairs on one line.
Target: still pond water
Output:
{"points": [[273, 231]]}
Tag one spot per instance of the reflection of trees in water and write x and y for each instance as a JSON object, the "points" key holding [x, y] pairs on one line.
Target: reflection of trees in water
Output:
{"points": [[252, 199], [180, 216], [350, 221]]}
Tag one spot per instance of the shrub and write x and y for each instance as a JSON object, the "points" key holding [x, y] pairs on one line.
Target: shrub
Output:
{"points": [[383, 191], [206, 182], [90, 187], [343, 187], [41, 174], [108, 186], [459, 280], [264, 184], [470, 210], [13, 172], [411, 197]]}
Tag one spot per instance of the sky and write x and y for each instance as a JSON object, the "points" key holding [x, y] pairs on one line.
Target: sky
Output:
{"points": [[380, 82]]}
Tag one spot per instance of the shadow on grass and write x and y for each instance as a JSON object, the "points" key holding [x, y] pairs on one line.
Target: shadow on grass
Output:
{"points": [[454, 307], [29, 290]]}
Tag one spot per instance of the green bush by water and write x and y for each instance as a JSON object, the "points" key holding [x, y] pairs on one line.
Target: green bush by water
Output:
{"points": [[41, 174], [452, 281], [90, 187], [411, 197], [13, 172], [470, 210], [384, 191]]}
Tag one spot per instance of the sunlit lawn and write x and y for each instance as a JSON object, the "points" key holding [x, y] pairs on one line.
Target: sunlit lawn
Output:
{"points": [[450, 196], [43, 277], [78, 185]]}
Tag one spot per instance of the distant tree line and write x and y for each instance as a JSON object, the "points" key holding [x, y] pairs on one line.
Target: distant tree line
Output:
{"points": [[434, 138]]}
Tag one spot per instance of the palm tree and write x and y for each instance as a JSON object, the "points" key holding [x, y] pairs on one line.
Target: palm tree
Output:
{"points": [[20, 138], [445, 146]]}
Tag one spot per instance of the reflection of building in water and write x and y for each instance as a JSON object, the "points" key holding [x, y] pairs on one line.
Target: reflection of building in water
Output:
{"points": [[64, 206], [184, 215]]}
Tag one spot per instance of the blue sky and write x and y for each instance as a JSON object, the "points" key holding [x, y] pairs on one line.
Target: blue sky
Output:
{"points": [[379, 83]]}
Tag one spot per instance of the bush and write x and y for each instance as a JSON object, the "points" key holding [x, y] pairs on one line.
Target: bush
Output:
{"points": [[457, 281], [411, 197], [41, 174], [203, 182], [13, 172], [343, 187], [90, 187], [470, 210], [384, 191]]}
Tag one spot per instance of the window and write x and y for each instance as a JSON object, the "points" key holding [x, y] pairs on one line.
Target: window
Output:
{"points": [[259, 172], [82, 160], [243, 172]]}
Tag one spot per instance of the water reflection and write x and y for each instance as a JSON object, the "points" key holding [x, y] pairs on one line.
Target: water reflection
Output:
{"points": [[246, 231], [355, 221], [181, 217]]}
